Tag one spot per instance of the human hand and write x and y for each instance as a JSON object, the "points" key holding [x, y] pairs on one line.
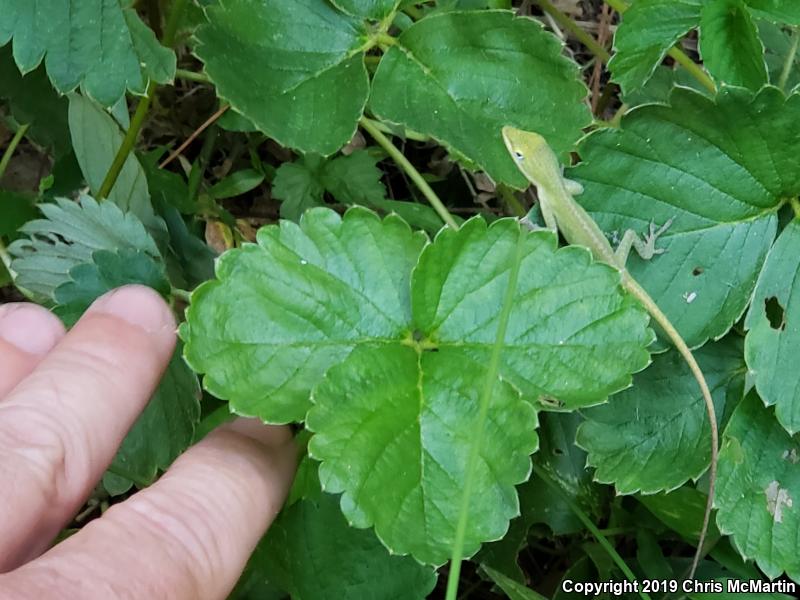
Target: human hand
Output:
{"points": [[66, 403]]}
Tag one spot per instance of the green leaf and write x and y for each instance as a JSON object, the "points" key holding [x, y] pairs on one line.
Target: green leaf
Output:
{"points": [[165, 428], [92, 43], [773, 333], [512, 589], [96, 138], [681, 510], [757, 489], [352, 179], [305, 296], [393, 431], [647, 32], [460, 76], [297, 185], [371, 9], [295, 69], [68, 236], [782, 11], [107, 270], [311, 552], [236, 184], [15, 210], [655, 436], [34, 101], [777, 47], [720, 170], [569, 318], [729, 44]]}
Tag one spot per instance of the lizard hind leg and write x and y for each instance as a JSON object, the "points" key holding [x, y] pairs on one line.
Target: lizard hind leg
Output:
{"points": [[646, 248]]}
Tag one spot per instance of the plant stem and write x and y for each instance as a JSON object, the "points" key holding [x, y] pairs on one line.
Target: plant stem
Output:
{"points": [[191, 76], [511, 200], [128, 142], [371, 127], [478, 428], [409, 134], [582, 36], [790, 58], [676, 53], [12, 146], [384, 40], [584, 518], [139, 116]]}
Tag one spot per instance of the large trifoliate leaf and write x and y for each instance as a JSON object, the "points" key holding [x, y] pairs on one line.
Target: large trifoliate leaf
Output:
{"points": [[647, 32], [655, 436], [295, 69], [774, 329], [93, 43], [461, 76], [730, 46], [328, 310], [758, 488], [311, 552], [720, 170], [68, 236]]}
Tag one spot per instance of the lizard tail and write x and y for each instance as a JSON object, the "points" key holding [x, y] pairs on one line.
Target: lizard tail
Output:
{"points": [[660, 318]]}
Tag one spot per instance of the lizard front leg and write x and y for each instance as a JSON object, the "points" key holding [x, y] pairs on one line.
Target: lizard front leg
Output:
{"points": [[645, 248]]}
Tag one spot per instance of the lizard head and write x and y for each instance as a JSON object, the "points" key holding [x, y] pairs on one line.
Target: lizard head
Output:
{"points": [[531, 154]]}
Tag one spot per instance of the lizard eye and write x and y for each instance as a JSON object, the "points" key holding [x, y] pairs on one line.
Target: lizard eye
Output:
{"points": [[518, 155]]}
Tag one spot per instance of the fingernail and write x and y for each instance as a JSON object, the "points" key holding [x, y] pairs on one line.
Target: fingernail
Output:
{"points": [[138, 305], [30, 328]]}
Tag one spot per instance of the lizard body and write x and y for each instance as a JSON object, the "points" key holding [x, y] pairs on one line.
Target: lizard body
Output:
{"points": [[562, 213]]}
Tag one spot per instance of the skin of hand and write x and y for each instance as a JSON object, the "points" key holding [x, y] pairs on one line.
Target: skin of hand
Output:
{"points": [[66, 402]]}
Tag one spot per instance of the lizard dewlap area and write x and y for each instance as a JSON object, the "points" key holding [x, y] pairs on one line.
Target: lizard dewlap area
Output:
{"points": [[561, 212]]}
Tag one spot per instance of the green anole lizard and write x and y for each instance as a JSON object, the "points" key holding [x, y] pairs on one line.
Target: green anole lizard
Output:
{"points": [[562, 213]]}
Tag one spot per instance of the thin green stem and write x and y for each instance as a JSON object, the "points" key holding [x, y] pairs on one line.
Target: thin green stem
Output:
{"points": [[12, 146], [370, 126], [676, 53], [192, 76], [409, 134], [489, 382], [790, 58], [584, 518], [511, 200], [129, 141], [694, 69], [5, 258], [413, 12], [582, 36], [384, 40], [180, 294], [795, 203]]}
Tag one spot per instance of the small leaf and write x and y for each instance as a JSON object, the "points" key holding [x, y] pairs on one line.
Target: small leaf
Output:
{"points": [[512, 589], [107, 270], [720, 170], [758, 487], [96, 138], [297, 185], [647, 32], [92, 43], [354, 179], [460, 76], [311, 552], [295, 69], [236, 184], [166, 427], [393, 428], [655, 436], [773, 324], [68, 236], [282, 312], [730, 46]]}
